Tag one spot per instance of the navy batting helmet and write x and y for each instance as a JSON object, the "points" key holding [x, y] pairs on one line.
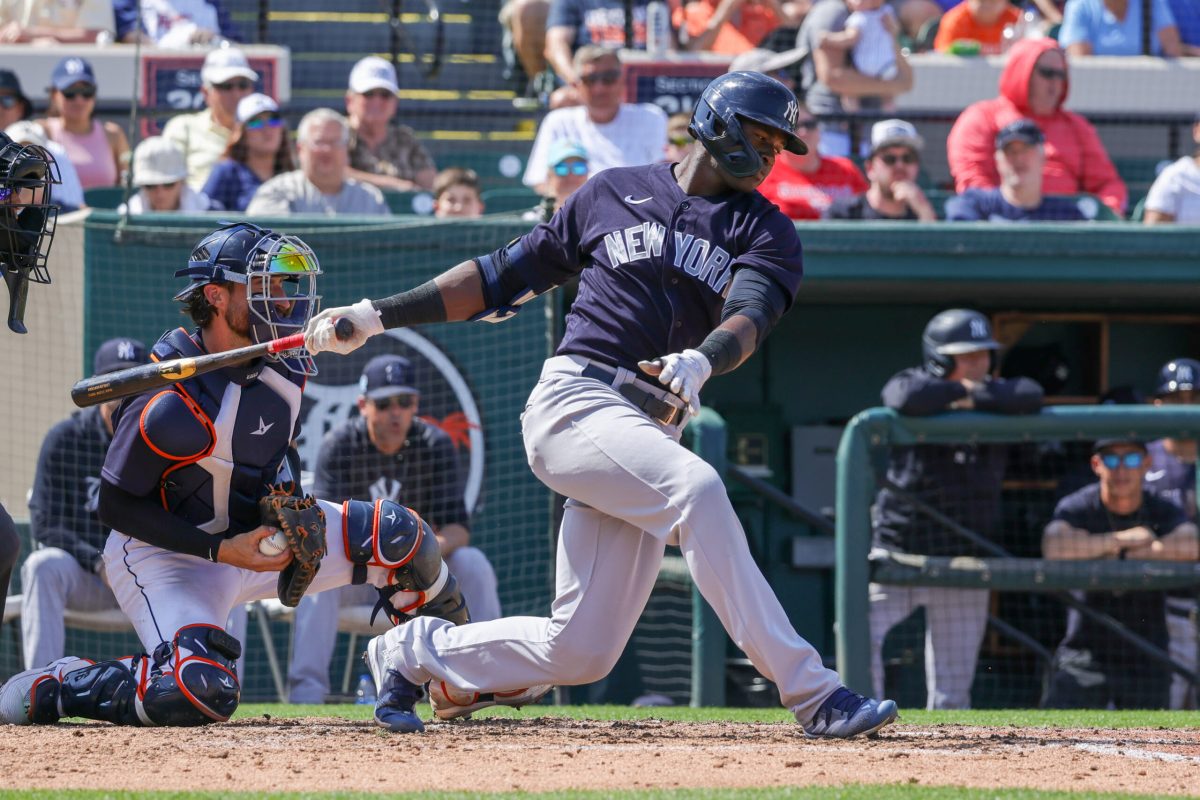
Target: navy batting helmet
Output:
{"points": [[951, 333], [1178, 375], [737, 96], [27, 220], [279, 273]]}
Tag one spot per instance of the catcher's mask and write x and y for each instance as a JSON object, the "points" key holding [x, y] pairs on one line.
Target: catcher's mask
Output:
{"points": [[27, 220], [279, 273]]}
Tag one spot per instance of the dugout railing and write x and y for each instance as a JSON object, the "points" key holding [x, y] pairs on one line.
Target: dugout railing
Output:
{"points": [[863, 451]]}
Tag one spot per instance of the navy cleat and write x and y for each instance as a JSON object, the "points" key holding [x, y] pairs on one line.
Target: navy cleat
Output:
{"points": [[845, 714], [397, 696]]}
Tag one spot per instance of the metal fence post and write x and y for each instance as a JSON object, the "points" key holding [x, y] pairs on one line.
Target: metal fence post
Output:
{"points": [[709, 436]]}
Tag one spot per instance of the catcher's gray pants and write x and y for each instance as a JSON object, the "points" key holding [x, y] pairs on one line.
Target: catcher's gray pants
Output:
{"points": [[52, 581], [955, 620], [633, 489], [315, 631], [1181, 627], [10, 549]]}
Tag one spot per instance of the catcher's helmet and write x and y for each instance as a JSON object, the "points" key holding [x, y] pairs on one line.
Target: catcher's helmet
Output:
{"points": [[27, 220], [951, 333], [1178, 375], [279, 273], [736, 96]]}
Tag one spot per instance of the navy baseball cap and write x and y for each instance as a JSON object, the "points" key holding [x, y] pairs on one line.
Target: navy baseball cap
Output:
{"points": [[1023, 130], [70, 71], [118, 354], [1103, 444], [385, 376], [10, 81]]}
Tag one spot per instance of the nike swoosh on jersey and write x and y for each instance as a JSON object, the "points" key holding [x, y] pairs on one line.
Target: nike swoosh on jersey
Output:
{"points": [[629, 199], [1157, 475]]}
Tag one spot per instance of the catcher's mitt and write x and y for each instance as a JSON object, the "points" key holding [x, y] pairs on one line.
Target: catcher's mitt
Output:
{"points": [[303, 523]]}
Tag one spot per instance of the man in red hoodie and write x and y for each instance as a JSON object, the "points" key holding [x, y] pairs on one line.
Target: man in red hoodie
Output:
{"points": [[1034, 85]]}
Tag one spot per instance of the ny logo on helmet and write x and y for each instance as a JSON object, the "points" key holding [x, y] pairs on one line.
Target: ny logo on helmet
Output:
{"points": [[979, 329], [126, 351], [792, 111], [1183, 374]]}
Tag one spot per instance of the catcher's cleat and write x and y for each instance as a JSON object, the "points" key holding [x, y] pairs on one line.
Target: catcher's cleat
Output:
{"points": [[845, 714], [397, 696], [451, 703], [31, 697]]}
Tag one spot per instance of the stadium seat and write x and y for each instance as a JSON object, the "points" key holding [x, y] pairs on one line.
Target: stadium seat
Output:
{"points": [[408, 203], [104, 196], [500, 201]]}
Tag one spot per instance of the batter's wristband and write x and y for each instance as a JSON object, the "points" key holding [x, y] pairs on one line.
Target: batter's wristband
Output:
{"points": [[418, 306], [722, 350]]}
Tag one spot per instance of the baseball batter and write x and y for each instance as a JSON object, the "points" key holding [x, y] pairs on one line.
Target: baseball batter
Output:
{"points": [[183, 488], [685, 269]]}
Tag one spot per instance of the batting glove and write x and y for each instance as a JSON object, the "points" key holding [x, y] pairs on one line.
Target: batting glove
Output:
{"points": [[320, 337], [683, 373]]}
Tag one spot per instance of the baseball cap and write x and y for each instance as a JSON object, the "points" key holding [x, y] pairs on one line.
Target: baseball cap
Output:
{"points": [[70, 71], [10, 81], [117, 354], [226, 63], [889, 132], [1023, 130], [385, 376], [373, 72], [27, 131], [766, 61], [1103, 444], [562, 149], [252, 105], [156, 161]]}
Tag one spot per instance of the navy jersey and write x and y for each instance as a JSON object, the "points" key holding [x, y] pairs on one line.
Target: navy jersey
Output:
{"points": [[661, 261], [989, 205], [599, 22], [1176, 481], [62, 509], [1144, 612], [423, 475]]}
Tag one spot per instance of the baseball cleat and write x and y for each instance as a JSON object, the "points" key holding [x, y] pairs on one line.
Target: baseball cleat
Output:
{"points": [[31, 697], [456, 704], [845, 714], [397, 695]]}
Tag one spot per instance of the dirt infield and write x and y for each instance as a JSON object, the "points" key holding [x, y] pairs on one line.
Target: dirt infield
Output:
{"points": [[549, 753]]}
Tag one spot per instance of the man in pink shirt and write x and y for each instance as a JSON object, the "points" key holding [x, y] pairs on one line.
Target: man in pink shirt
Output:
{"points": [[1034, 85]]}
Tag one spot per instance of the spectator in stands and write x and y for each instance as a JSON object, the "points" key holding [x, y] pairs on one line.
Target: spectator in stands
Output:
{"points": [[829, 75], [979, 21], [1175, 195], [14, 105], [1034, 85], [159, 171], [892, 170], [571, 24], [1020, 161], [456, 194], [67, 571], [59, 22], [258, 150], [524, 45], [804, 187], [1115, 518], [869, 36], [383, 154], [225, 79], [68, 195], [916, 15], [1114, 28], [961, 481], [679, 141], [566, 170], [388, 452], [322, 185], [614, 133], [177, 24], [98, 150], [769, 62], [1172, 475], [1187, 18], [731, 27]]}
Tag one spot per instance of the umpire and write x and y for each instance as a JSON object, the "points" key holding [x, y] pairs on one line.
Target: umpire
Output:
{"points": [[67, 569], [961, 481]]}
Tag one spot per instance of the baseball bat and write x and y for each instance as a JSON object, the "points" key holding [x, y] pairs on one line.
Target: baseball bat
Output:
{"points": [[144, 377]]}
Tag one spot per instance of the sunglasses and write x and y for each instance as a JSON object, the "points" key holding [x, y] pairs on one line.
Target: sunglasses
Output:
{"points": [[1128, 460], [258, 123], [890, 159], [87, 92], [1050, 73], [8, 100], [402, 401], [234, 86], [153, 186], [680, 141], [380, 94], [573, 168], [608, 77], [806, 125]]}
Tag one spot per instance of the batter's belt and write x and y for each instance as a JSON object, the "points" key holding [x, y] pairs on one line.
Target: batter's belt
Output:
{"points": [[653, 405]]}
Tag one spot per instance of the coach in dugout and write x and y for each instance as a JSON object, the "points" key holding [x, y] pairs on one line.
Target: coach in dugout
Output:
{"points": [[1115, 518], [961, 481], [67, 570]]}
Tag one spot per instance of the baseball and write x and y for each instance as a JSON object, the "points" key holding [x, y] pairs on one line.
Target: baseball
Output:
{"points": [[273, 545]]}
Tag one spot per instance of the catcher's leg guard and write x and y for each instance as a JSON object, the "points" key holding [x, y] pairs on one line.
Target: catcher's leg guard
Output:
{"points": [[31, 697], [386, 534]]}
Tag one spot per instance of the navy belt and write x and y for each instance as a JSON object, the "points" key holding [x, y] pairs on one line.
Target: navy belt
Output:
{"points": [[657, 408]]}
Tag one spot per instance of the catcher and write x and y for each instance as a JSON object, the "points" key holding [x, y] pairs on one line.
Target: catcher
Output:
{"points": [[196, 477]]}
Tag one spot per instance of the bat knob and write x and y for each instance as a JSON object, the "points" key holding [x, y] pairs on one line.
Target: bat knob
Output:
{"points": [[344, 328]]}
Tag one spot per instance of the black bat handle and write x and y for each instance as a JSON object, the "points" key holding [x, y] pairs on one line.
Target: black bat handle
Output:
{"points": [[344, 328]]}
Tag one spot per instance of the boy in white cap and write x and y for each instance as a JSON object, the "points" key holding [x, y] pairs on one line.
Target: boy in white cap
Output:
{"points": [[225, 78], [381, 153], [158, 172]]}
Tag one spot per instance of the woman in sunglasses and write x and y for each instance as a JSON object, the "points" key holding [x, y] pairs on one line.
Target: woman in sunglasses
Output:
{"points": [[258, 150], [98, 150]]}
